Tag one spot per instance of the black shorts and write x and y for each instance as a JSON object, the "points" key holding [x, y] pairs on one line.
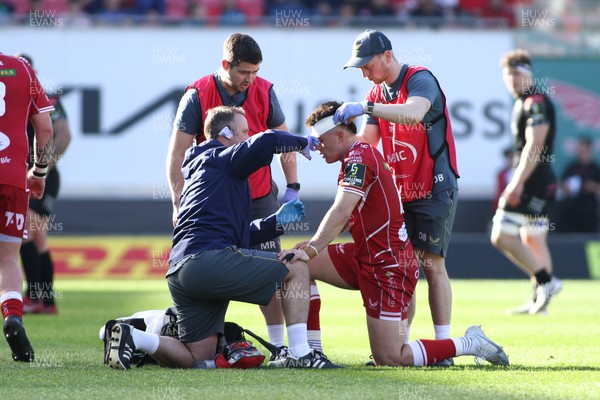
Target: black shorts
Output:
{"points": [[45, 205], [203, 286], [264, 207], [429, 221], [534, 205]]}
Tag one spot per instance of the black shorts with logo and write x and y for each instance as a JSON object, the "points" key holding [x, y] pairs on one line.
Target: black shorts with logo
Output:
{"points": [[429, 221]]}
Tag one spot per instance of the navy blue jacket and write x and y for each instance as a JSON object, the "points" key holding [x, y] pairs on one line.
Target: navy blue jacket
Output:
{"points": [[214, 212]]}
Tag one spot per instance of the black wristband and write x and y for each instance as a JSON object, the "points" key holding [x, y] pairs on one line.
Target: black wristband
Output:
{"points": [[295, 186], [40, 170]]}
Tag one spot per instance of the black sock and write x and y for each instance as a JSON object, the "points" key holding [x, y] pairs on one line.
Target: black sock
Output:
{"points": [[542, 277], [32, 266], [47, 278]]}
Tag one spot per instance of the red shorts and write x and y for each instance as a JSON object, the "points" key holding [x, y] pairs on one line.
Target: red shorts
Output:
{"points": [[386, 288], [14, 203]]}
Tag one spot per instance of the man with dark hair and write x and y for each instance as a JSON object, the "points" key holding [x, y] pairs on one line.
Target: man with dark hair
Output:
{"points": [[35, 254], [210, 263], [580, 185], [521, 224], [380, 262], [406, 110], [22, 100], [236, 84]]}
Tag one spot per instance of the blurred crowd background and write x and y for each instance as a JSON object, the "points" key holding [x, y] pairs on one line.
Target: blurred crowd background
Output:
{"points": [[574, 14]]}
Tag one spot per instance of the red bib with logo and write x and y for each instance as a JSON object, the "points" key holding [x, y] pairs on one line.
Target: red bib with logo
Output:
{"points": [[406, 147], [256, 105]]}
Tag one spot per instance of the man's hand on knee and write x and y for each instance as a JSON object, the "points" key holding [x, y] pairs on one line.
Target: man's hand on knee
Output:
{"points": [[290, 256]]}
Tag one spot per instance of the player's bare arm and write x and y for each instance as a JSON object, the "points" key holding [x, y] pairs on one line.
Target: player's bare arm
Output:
{"points": [[60, 140], [335, 220], [43, 135], [370, 134], [331, 226], [411, 112], [535, 137], [180, 142]]}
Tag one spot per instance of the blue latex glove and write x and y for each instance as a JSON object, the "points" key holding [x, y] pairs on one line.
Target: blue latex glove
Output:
{"points": [[292, 211], [289, 195], [312, 143], [347, 111]]}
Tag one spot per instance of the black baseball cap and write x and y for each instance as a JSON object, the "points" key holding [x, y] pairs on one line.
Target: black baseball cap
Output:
{"points": [[366, 46]]}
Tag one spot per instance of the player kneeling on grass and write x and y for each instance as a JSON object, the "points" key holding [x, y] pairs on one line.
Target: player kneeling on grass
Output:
{"points": [[381, 262], [210, 263]]}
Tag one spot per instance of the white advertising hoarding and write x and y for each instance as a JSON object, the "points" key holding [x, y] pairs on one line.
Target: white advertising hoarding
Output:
{"points": [[120, 88]]}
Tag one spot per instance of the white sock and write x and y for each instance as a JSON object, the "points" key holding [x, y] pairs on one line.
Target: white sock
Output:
{"points": [[407, 338], [464, 346], [314, 340], [10, 295], [297, 339], [442, 331], [419, 353], [144, 341], [205, 364], [314, 292], [276, 333]]}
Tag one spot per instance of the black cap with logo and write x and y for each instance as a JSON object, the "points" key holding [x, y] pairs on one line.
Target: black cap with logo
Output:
{"points": [[366, 46]]}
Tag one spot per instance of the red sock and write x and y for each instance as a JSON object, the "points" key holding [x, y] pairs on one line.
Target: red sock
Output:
{"points": [[427, 352], [314, 323], [12, 307]]}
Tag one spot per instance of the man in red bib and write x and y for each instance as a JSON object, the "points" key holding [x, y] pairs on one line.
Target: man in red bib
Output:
{"points": [[406, 110], [236, 84], [22, 100]]}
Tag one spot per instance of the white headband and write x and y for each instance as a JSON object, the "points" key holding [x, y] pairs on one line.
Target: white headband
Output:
{"points": [[525, 69], [323, 126]]}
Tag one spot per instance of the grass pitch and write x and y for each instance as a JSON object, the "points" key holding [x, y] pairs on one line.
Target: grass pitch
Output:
{"points": [[552, 357]]}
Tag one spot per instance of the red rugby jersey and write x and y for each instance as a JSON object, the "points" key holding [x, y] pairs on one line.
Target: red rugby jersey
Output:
{"points": [[21, 95], [376, 224]]}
